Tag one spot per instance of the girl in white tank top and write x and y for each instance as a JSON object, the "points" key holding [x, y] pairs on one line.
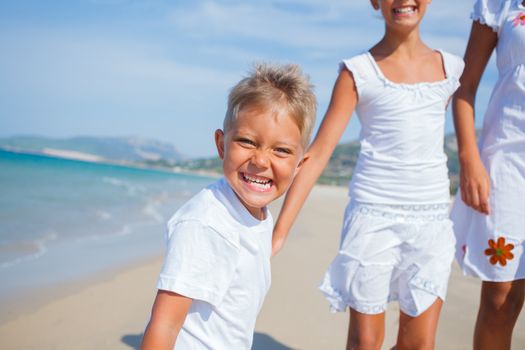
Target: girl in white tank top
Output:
{"points": [[397, 241]]}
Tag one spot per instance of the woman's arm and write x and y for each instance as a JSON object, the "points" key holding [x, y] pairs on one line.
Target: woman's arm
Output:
{"points": [[474, 181], [342, 104], [167, 316]]}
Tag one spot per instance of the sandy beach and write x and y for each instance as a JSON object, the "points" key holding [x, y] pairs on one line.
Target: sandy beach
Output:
{"points": [[110, 311]]}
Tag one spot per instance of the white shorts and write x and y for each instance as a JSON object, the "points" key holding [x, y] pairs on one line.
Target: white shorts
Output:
{"points": [[391, 252]]}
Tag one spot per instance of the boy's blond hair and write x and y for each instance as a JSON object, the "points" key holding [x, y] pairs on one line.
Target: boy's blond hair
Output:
{"points": [[281, 88]]}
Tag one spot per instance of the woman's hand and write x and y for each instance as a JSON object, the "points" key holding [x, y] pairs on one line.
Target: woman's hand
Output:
{"points": [[475, 185], [474, 181]]}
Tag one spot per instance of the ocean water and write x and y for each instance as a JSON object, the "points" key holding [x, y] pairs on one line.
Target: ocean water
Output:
{"points": [[64, 220]]}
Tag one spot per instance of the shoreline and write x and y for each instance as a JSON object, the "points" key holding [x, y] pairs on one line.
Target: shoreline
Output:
{"points": [[22, 302], [89, 158]]}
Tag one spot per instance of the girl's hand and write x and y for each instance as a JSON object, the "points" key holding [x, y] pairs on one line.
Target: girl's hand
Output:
{"points": [[475, 185]]}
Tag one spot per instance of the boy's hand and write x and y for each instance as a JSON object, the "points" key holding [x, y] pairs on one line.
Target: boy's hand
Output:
{"points": [[475, 185]]}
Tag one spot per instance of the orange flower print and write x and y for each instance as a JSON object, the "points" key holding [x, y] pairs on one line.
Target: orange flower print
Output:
{"points": [[499, 252], [519, 20]]}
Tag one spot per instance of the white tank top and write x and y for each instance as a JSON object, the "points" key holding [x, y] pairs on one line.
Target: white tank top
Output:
{"points": [[402, 160]]}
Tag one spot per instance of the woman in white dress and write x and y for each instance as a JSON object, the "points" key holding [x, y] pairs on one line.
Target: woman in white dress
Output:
{"points": [[489, 218]]}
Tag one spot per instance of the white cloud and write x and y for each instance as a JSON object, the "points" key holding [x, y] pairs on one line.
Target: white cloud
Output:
{"points": [[261, 21], [76, 64]]}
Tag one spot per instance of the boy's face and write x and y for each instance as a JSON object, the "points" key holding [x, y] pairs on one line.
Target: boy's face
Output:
{"points": [[261, 154]]}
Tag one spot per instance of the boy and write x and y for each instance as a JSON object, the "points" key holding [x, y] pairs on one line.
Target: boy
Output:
{"points": [[217, 267]]}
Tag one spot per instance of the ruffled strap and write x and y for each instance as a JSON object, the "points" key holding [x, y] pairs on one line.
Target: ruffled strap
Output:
{"points": [[490, 12], [454, 65], [360, 68]]}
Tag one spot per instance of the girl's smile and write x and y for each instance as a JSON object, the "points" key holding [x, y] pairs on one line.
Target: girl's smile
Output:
{"points": [[404, 11]]}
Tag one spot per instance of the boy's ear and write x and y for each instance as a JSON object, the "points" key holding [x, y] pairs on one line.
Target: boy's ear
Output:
{"points": [[301, 162], [375, 4], [219, 143]]}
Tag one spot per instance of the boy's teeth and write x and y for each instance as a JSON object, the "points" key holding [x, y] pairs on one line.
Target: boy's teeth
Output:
{"points": [[258, 181]]}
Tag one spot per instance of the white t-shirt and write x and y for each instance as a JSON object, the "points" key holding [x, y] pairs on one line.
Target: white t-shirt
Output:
{"points": [[402, 132], [218, 254]]}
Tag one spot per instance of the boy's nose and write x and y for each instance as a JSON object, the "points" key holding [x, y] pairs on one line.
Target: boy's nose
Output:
{"points": [[260, 159]]}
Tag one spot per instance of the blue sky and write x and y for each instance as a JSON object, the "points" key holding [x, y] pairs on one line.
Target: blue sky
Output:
{"points": [[162, 69]]}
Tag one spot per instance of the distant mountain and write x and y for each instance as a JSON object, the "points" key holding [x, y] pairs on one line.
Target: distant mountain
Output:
{"points": [[341, 165], [119, 149]]}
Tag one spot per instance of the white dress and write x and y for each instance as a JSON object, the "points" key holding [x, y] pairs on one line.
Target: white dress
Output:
{"points": [[397, 242], [491, 247]]}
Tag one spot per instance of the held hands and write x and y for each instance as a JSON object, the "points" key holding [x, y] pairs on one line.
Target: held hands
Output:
{"points": [[475, 185]]}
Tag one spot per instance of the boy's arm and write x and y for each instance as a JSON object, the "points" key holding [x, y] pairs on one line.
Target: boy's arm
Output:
{"points": [[474, 181], [167, 316], [342, 104]]}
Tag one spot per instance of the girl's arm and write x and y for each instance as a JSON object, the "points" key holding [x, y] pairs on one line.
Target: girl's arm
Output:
{"points": [[167, 316], [474, 181], [342, 104]]}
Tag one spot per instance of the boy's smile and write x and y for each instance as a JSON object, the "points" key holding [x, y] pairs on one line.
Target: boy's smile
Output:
{"points": [[261, 154], [257, 183]]}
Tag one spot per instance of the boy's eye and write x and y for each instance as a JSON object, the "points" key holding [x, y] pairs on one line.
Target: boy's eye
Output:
{"points": [[283, 150], [245, 141]]}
